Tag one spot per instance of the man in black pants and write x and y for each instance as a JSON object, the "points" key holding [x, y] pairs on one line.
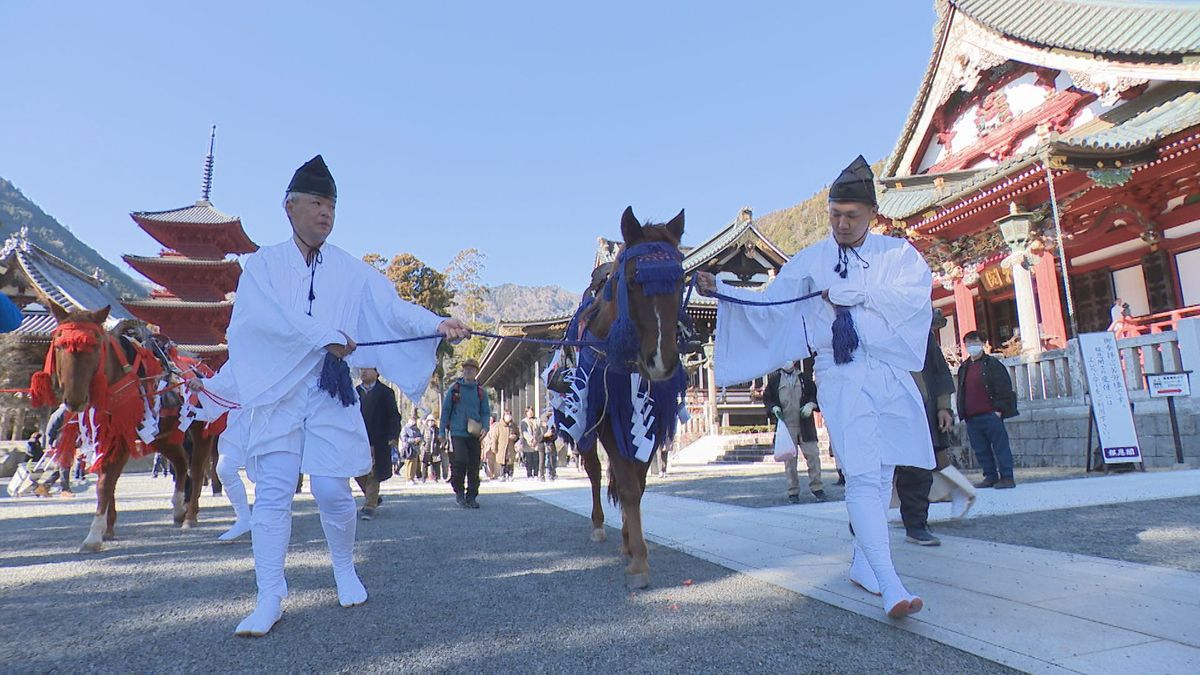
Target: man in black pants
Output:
{"points": [[464, 411], [913, 483]]}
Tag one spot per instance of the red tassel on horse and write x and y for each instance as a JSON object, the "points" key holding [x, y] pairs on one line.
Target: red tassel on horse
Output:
{"points": [[40, 389]]}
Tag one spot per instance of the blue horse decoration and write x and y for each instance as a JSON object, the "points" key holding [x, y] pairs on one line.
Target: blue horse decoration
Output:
{"points": [[627, 392]]}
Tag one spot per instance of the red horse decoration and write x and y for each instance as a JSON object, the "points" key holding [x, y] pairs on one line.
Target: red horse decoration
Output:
{"points": [[110, 387]]}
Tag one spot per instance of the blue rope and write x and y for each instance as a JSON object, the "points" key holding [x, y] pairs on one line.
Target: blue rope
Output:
{"points": [[762, 303], [480, 333]]}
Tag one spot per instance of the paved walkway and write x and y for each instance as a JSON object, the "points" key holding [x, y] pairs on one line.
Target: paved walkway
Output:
{"points": [[1032, 609]]}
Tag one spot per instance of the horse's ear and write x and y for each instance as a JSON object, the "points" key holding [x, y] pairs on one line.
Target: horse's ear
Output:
{"points": [[100, 315], [60, 314], [631, 229], [675, 227]]}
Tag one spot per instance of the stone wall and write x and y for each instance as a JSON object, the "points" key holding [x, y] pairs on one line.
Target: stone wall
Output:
{"points": [[1057, 435]]}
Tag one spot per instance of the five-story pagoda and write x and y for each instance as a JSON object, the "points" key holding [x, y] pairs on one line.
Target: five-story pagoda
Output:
{"points": [[196, 275]]}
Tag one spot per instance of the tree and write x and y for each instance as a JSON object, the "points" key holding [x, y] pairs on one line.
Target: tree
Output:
{"points": [[415, 281], [463, 274]]}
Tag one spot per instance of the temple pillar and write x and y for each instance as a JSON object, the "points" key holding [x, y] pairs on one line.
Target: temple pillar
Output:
{"points": [[1045, 276], [1015, 227], [537, 390], [964, 312], [710, 376], [1031, 340]]}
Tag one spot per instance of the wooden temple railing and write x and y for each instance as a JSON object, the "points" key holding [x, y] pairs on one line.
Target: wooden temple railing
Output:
{"points": [[1163, 321]]}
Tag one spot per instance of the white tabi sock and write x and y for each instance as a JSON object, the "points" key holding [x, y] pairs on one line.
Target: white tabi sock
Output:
{"points": [[235, 491], [865, 504], [861, 573], [265, 615], [336, 504]]}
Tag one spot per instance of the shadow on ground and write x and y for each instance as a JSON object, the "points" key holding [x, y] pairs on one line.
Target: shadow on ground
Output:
{"points": [[754, 491], [1163, 532], [513, 587]]}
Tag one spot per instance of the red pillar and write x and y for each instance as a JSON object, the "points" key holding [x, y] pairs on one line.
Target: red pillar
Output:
{"points": [[1054, 328], [964, 312]]}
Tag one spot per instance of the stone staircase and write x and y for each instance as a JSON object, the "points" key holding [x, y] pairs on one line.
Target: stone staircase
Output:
{"points": [[752, 453]]}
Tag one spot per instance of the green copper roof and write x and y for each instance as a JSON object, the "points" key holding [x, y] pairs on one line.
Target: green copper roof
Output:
{"points": [[1101, 26], [1143, 129]]}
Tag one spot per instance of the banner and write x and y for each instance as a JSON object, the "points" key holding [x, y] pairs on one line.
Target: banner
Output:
{"points": [[1110, 398]]}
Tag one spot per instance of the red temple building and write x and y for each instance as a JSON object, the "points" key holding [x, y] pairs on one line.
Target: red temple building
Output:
{"points": [[1048, 122], [194, 271]]}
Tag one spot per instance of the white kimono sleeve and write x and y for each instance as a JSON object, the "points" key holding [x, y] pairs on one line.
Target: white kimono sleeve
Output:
{"points": [[271, 347], [386, 317], [893, 315], [753, 341]]}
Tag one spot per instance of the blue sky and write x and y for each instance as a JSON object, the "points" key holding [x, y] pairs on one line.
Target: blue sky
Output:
{"points": [[520, 128]]}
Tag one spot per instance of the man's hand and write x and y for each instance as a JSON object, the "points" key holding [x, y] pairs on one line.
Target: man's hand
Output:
{"points": [[778, 412], [454, 330], [808, 409], [945, 420], [706, 283], [342, 351]]}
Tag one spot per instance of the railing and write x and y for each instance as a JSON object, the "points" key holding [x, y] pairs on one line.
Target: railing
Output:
{"points": [[1164, 321], [1056, 377]]}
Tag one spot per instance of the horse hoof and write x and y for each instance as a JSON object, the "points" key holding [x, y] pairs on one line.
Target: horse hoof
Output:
{"points": [[187, 524], [109, 536], [90, 547], [599, 535], [637, 581]]}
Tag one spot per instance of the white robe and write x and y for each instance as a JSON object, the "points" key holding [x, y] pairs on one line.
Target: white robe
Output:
{"points": [[891, 307], [276, 351]]}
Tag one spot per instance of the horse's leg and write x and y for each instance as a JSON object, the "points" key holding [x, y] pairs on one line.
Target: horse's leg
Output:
{"points": [[114, 474], [95, 536], [629, 476], [591, 464], [624, 533], [177, 456], [201, 453]]}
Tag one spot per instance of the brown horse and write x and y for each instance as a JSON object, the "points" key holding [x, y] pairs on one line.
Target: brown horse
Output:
{"points": [[104, 376], [655, 318]]}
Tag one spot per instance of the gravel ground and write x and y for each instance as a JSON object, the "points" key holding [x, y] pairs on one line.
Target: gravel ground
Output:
{"points": [[1163, 532], [513, 587]]}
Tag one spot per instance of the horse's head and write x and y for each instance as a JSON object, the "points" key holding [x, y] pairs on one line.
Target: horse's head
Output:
{"points": [[647, 284], [78, 346]]}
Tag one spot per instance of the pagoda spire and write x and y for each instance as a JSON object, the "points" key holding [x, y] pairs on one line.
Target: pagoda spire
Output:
{"points": [[206, 188]]}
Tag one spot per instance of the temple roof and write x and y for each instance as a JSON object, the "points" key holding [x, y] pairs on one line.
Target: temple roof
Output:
{"points": [[201, 212], [1103, 26], [162, 303], [731, 234], [177, 261], [1105, 46], [57, 279], [1130, 128]]}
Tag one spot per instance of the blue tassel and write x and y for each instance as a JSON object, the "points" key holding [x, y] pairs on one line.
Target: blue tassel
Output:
{"points": [[845, 338], [335, 380]]}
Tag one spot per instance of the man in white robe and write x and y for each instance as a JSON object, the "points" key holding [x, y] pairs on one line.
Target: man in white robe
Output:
{"points": [[872, 408], [296, 302]]}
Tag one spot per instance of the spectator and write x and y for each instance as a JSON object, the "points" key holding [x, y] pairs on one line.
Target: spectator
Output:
{"points": [[434, 452], [506, 445], [377, 403], [913, 483], [489, 450], [985, 399], [531, 438], [1121, 323], [791, 396], [548, 451], [464, 410], [161, 464], [411, 440], [36, 451]]}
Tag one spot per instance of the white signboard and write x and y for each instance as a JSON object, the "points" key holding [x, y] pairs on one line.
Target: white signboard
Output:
{"points": [[1162, 385], [1110, 398]]}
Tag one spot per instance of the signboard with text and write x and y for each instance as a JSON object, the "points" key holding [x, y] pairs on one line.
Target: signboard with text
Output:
{"points": [[1162, 385], [1110, 398]]}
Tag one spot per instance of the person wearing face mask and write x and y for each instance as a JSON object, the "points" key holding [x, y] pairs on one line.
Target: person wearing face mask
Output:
{"points": [[791, 396], [985, 399]]}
